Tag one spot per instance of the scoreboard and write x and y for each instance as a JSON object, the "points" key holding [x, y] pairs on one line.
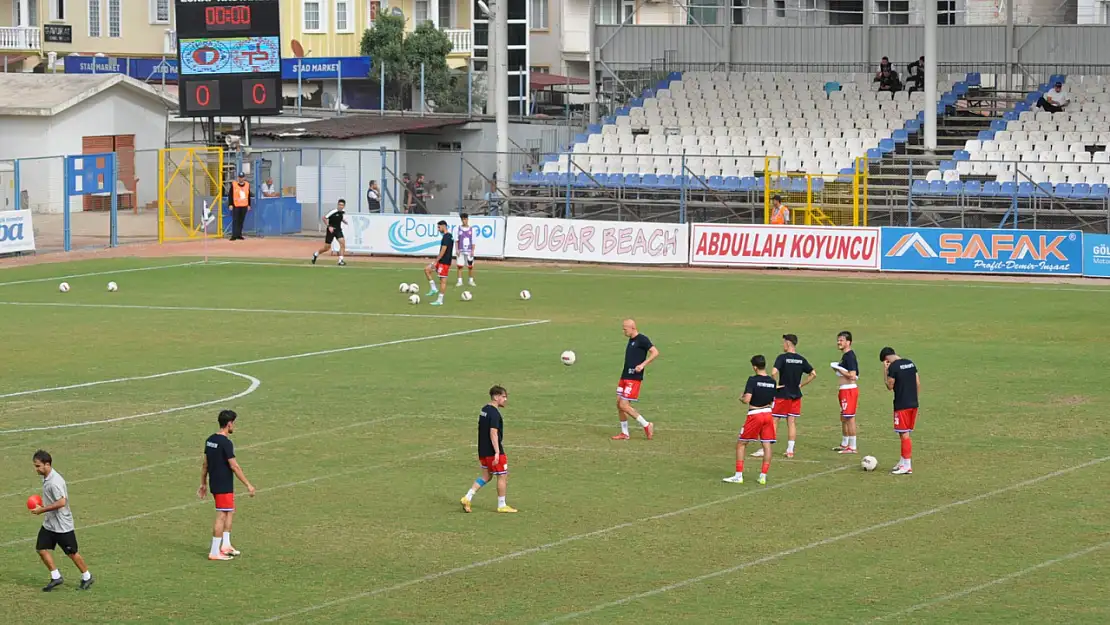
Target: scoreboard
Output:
{"points": [[228, 57]]}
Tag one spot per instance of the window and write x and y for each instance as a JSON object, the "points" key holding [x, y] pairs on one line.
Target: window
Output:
{"points": [[159, 11], [946, 12], [58, 10], [372, 8], [780, 8], [540, 69], [628, 11], [738, 8], [447, 14], [94, 18], [607, 11], [539, 15], [420, 12], [894, 12], [115, 18], [845, 12], [703, 12], [32, 17], [343, 17], [312, 16]]}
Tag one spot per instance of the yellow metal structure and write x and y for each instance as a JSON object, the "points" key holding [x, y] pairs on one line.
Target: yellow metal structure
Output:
{"points": [[828, 199], [188, 180]]}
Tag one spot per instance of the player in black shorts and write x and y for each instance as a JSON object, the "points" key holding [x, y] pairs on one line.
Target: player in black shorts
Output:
{"points": [[334, 221]]}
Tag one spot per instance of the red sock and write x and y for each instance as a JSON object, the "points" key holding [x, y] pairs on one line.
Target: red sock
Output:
{"points": [[766, 465], [739, 466], [907, 448]]}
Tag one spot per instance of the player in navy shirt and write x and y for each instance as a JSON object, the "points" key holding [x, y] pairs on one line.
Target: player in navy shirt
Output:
{"points": [[219, 468], [491, 451], [901, 377], [790, 369], [442, 264], [638, 353], [759, 394], [333, 222], [847, 369]]}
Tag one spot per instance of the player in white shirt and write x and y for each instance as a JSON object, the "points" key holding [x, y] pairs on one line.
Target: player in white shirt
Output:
{"points": [[464, 244]]}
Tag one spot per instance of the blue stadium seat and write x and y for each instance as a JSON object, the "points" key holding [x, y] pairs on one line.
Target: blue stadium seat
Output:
{"points": [[961, 155], [954, 188], [797, 185], [622, 111], [717, 183], [552, 179], [874, 154], [919, 187], [649, 181], [936, 187], [1025, 189], [921, 117], [886, 146], [913, 126], [1022, 107], [666, 181], [948, 99], [636, 102], [632, 180], [748, 183], [973, 188], [732, 183], [1081, 191], [1064, 190], [520, 177], [974, 79], [1100, 191], [593, 129], [985, 135], [1000, 124], [611, 119], [582, 180], [580, 138], [1043, 189], [818, 184], [682, 180], [1008, 188], [562, 180], [947, 165], [899, 136], [992, 188]]}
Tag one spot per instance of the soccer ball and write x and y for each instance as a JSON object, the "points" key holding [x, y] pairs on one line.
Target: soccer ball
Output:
{"points": [[414, 288], [404, 288], [568, 358], [525, 295], [414, 299], [113, 287], [466, 296], [64, 287], [868, 463]]}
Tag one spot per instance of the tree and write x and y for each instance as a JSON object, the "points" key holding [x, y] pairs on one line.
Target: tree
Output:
{"points": [[403, 53]]}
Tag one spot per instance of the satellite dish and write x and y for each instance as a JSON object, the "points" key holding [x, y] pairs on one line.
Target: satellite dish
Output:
{"points": [[298, 49], [397, 12]]}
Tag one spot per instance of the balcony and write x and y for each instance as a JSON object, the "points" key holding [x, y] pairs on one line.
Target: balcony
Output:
{"points": [[28, 38], [462, 40]]}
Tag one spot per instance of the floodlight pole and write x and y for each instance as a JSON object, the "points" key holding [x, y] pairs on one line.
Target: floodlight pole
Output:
{"points": [[501, 19], [930, 70]]}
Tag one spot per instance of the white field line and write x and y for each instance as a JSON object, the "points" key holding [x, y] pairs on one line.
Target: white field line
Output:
{"points": [[311, 480], [823, 542], [193, 458], [100, 273], [254, 384], [631, 450], [323, 352], [276, 311], [544, 547], [994, 582], [749, 276]]}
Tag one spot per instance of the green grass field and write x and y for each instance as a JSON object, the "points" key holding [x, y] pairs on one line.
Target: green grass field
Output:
{"points": [[360, 437]]}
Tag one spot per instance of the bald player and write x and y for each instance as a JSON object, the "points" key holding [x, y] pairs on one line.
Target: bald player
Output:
{"points": [[638, 354]]}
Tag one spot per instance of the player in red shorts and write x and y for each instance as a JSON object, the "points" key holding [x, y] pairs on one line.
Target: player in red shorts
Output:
{"points": [[759, 394], [638, 354], [442, 265], [491, 452], [901, 377], [848, 394], [219, 468], [789, 369]]}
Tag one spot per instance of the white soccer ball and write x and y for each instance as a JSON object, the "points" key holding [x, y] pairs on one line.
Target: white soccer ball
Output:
{"points": [[404, 288], [414, 299], [568, 358], [525, 295], [64, 287], [113, 287], [466, 296], [414, 288], [869, 463]]}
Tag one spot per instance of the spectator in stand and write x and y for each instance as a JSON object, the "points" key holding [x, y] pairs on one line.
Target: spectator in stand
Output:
{"points": [[493, 197], [888, 81], [884, 64], [916, 75], [1055, 99], [420, 195], [406, 181], [268, 189], [373, 197]]}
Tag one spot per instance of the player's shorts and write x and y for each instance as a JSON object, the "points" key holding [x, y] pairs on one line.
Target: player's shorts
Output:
{"points": [[501, 468], [783, 408], [466, 258], [849, 397], [760, 427], [443, 270], [332, 235], [225, 502], [629, 390], [47, 540], [904, 420]]}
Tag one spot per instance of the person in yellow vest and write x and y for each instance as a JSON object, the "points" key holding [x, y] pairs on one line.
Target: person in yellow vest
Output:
{"points": [[780, 214], [239, 198]]}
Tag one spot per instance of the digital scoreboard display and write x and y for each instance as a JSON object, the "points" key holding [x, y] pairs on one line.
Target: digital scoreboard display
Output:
{"points": [[229, 57]]}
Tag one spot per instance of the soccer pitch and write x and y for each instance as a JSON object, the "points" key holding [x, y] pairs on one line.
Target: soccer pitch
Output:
{"points": [[357, 425]]}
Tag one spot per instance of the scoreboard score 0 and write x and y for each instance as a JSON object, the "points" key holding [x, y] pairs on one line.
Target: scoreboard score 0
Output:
{"points": [[229, 57]]}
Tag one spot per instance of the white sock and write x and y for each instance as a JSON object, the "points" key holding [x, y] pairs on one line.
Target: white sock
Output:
{"points": [[906, 463], [458, 282], [340, 258], [470, 493], [763, 475], [440, 298], [852, 442], [86, 576], [642, 421], [432, 284], [227, 539], [315, 254], [215, 546], [472, 282], [55, 574], [843, 441], [501, 502], [789, 446], [624, 428]]}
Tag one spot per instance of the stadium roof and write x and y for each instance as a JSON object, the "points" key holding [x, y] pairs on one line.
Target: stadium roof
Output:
{"points": [[356, 126], [543, 80], [44, 95]]}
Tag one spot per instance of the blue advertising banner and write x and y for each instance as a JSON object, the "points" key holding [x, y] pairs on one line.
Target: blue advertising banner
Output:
{"points": [[140, 69], [326, 67], [945, 250], [1096, 255]]}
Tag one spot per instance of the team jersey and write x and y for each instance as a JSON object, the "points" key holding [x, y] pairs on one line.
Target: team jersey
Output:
{"points": [[762, 391], [904, 373], [792, 367], [448, 244], [335, 218], [219, 451], [466, 239], [848, 362], [635, 355], [490, 419]]}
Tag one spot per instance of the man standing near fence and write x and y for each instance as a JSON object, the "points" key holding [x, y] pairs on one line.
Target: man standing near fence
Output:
{"points": [[239, 198]]}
